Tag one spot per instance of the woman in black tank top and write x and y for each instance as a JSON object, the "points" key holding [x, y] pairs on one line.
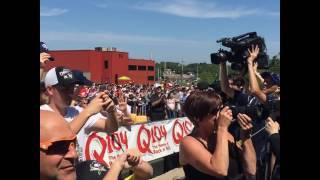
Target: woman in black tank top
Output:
{"points": [[210, 151]]}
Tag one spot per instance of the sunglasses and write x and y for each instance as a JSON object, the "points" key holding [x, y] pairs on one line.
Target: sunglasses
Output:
{"points": [[59, 146]]}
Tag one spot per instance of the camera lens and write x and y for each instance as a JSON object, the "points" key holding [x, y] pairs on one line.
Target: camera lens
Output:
{"points": [[215, 58]]}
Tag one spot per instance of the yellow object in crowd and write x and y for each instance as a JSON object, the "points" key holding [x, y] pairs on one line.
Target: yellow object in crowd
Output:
{"points": [[138, 119], [131, 177], [141, 119]]}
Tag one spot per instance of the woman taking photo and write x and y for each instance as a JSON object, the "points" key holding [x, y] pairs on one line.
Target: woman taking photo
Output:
{"points": [[210, 151]]}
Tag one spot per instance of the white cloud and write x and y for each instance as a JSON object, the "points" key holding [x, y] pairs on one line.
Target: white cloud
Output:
{"points": [[198, 9], [52, 11], [112, 38]]}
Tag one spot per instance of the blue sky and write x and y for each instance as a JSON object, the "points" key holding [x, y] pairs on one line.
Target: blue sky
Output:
{"points": [[164, 29]]}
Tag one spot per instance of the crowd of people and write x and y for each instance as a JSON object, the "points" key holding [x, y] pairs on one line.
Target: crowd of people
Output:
{"points": [[225, 143], [248, 149]]}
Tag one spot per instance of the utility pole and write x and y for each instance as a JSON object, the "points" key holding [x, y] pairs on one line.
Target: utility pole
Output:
{"points": [[160, 71], [197, 72], [181, 69]]}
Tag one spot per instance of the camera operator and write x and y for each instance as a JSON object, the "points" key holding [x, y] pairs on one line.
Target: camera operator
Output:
{"points": [[237, 83], [158, 102], [210, 151], [255, 97], [255, 90]]}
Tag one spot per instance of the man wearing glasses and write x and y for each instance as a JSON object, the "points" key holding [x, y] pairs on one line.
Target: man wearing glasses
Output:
{"points": [[57, 147], [99, 115], [58, 151]]}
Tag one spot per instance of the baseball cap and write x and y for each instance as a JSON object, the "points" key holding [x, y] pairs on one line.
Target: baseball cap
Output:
{"points": [[81, 78], [60, 76], [91, 170], [273, 76], [43, 47]]}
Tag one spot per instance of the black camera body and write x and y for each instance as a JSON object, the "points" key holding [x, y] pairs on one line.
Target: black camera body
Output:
{"points": [[254, 111], [260, 111], [238, 55]]}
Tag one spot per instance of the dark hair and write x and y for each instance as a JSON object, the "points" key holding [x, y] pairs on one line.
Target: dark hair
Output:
{"points": [[201, 103], [42, 87], [238, 81]]}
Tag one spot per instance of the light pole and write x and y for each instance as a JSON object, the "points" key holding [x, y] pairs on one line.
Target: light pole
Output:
{"points": [[197, 72], [181, 70]]}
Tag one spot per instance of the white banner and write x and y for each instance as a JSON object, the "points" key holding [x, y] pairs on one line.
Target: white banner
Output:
{"points": [[153, 140]]}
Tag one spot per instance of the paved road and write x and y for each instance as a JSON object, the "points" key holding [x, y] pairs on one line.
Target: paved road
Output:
{"points": [[174, 174]]}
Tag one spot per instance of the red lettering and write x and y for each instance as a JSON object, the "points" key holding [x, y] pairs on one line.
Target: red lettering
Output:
{"points": [[124, 138], [188, 126], [163, 131], [115, 141], [155, 133], [109, 139], [143, 145], [152, 135], [177, 137], [96, 155]]}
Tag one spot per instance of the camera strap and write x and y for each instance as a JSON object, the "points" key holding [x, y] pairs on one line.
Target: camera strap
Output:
{"points": [[257, 132], [240, 142]]}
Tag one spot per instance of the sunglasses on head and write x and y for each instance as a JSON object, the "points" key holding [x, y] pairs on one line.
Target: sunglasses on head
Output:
{"points": [[59, 146]]}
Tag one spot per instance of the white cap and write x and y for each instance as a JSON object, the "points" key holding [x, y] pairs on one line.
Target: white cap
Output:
{"points": [[51, 78], [59, 75]]}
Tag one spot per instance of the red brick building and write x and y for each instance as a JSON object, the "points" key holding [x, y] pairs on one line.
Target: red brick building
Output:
{"points": [[105, 65]]}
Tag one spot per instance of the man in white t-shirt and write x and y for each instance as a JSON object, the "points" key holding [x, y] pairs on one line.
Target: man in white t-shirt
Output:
{"points": [[99, 115]]}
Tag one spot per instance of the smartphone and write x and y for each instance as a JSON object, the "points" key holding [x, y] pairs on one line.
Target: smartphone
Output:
{"points": [[102, 88], [44, 48]]}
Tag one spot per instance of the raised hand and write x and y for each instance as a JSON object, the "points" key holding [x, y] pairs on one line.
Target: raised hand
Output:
{"points": [[123, 104], [44, 57], [225, 117], [97, 103], [244, 121], [253, 54], [272, 127]]}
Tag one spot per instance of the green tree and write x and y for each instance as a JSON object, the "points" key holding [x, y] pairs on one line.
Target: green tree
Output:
{"points": [[208, 72], [275, 64]]}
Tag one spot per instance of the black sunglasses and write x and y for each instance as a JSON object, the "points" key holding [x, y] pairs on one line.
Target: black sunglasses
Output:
{"points": [[59, 147]]}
